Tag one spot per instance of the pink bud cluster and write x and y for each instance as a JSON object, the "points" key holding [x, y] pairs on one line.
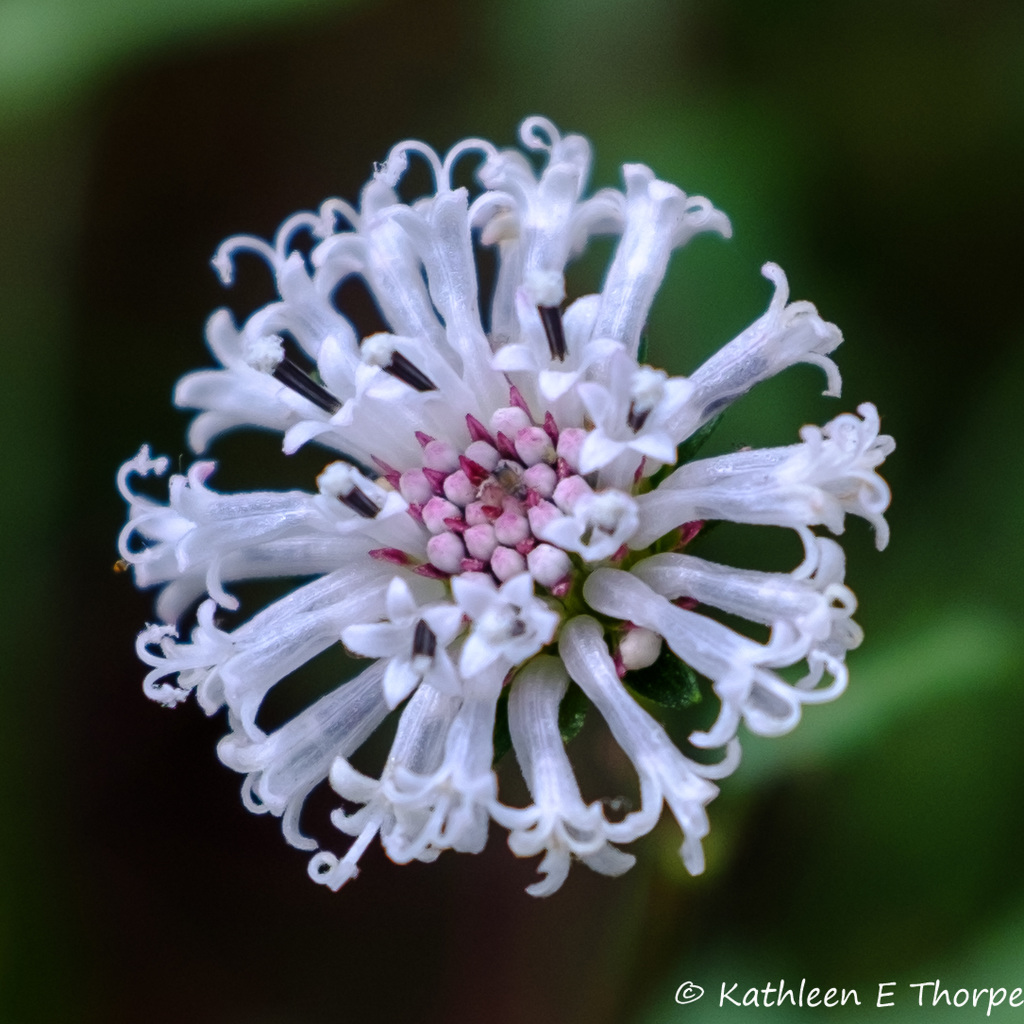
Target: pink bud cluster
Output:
{"points": [[484, 506]]}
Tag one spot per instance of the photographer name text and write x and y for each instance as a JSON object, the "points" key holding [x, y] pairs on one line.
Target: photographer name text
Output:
{"points": [[885, 995]]}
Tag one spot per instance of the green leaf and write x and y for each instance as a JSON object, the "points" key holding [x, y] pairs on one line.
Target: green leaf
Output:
{"points": [[641, 352], [689, 448], [669, 682], [572, 712], [693, 444]]}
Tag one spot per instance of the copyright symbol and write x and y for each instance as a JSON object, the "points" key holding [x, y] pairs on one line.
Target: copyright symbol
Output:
{"points": [[688, 992]]}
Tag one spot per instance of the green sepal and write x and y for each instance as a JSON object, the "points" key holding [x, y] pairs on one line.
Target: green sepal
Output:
{"points": [[669, 682]]}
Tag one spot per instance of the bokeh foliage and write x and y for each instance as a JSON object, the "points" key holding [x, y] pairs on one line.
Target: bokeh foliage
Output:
{"points": [[874, 151]]}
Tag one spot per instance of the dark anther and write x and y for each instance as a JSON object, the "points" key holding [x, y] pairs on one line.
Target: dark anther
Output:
{"points": [[423, 640], [518, 628], [636, 419], [409, 373], [359, 503], [551, 318], [292, 376]]}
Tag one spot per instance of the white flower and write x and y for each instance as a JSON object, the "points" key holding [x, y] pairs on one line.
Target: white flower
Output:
{"points": [[501, 512], [414, 641], [510, 625]]}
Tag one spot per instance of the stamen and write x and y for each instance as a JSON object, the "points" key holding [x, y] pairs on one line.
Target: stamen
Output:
{"points": [[546, 290], [647, 389], [346, 483], [551, 318], [292, 376], [342, 481], [379, 350], [636, 419], [268, 356], [424, 640], [408, 373], [359, 503]]}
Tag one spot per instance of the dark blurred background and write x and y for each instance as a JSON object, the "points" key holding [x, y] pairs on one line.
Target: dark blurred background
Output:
{"points": [[874, 150]]}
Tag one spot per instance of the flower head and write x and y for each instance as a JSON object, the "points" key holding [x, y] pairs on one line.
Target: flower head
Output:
{"points": [[502, 515]]}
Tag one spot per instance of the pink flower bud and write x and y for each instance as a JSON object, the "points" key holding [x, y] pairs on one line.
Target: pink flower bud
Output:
{"points": [[533, 445], [415, 487], [541, 478], [457, 488], [480, 541], [440, 455], [510, 528], [436, 511], [569, 491], [548, 564], [483, 454], [570, 441], [506, 563], [509, 421], [446, 551]]}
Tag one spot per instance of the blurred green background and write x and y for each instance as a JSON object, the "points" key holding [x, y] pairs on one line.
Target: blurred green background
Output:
{"points": [[874, 150]]}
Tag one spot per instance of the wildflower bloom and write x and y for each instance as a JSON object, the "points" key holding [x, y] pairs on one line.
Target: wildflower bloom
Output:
{"points": [[505, 518]]}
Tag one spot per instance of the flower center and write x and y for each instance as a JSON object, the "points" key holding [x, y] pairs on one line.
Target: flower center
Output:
{"points": [[494, 506]]}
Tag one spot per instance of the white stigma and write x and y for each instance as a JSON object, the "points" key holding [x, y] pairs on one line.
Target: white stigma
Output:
{"points": [[647, 388], [606, 510], [377, 350], [499, 624], [339, 478], [544, 287], [264, 354]]}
